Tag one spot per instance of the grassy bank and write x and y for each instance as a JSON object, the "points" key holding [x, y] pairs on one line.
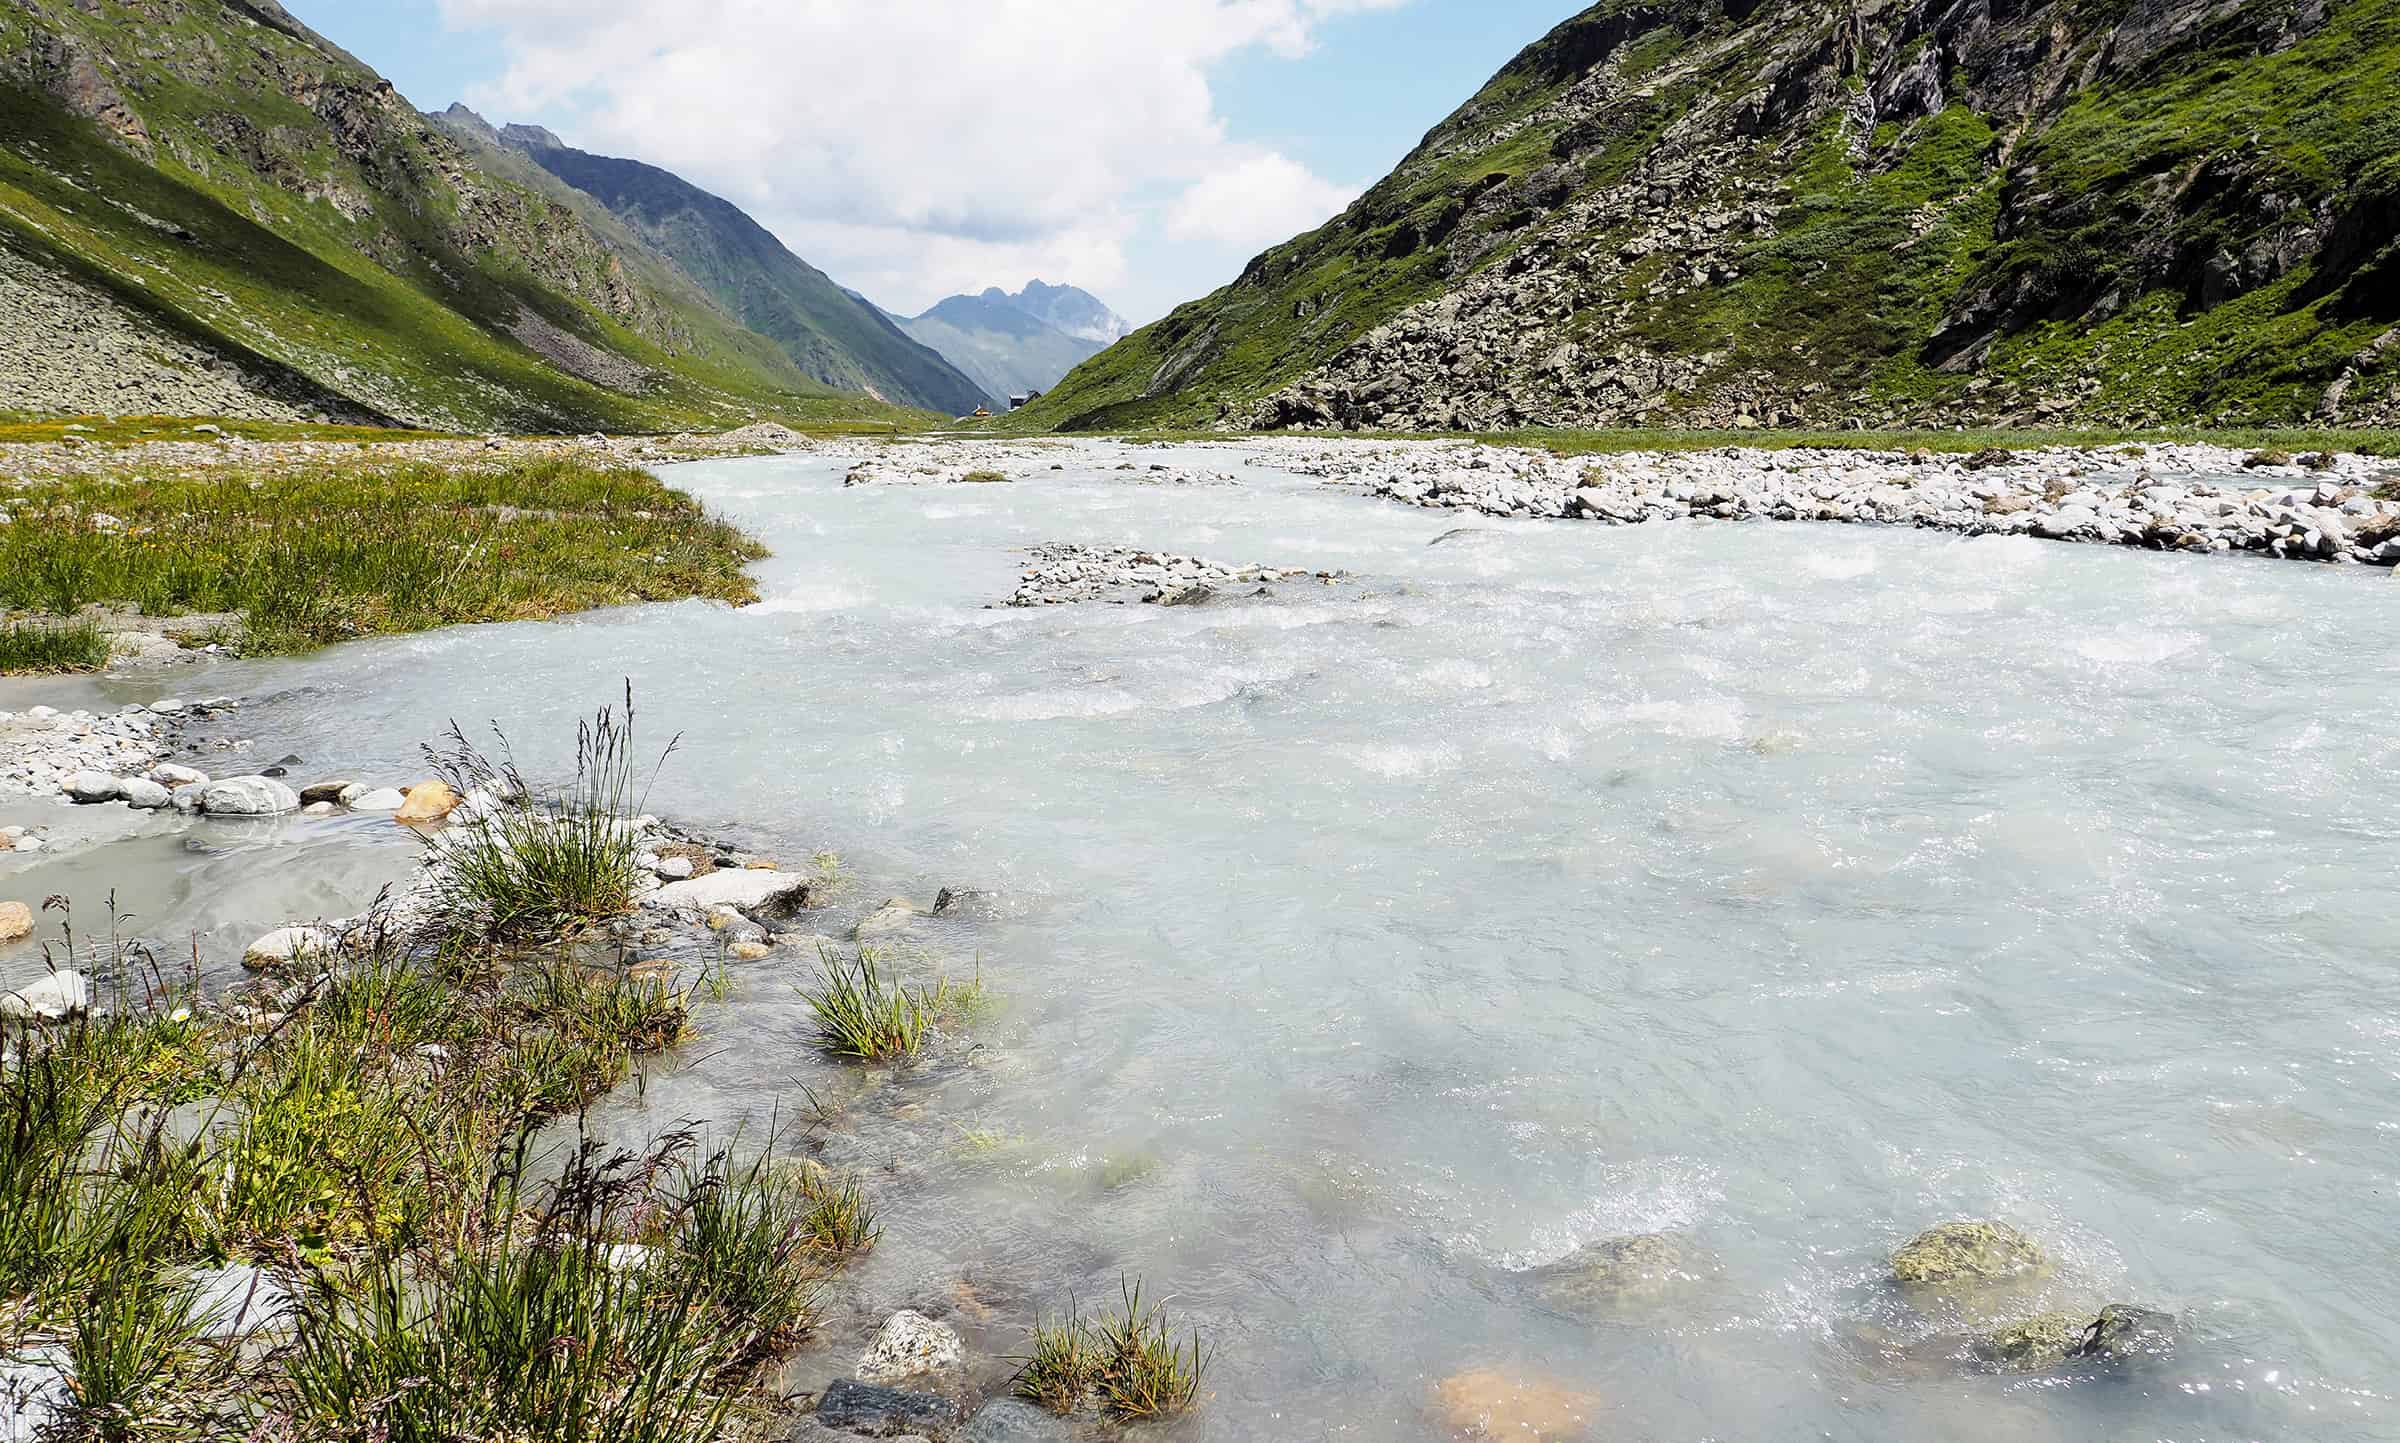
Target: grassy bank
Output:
{"points": [[361, 547], [332, 1205]]}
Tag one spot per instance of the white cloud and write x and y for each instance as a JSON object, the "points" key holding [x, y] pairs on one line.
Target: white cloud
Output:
{"points": [[1256, 201], [917, 147]]}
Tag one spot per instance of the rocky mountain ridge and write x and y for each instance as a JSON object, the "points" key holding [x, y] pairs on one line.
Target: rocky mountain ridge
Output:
{"points": [[1888, 212], [1016, 344]]}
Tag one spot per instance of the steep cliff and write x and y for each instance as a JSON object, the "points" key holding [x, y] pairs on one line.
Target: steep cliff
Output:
{"points": [[1872, 212]]}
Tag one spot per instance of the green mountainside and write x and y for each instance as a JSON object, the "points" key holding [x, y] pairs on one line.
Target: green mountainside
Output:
{"points": [[1879, 212], [828, 333], [205, 207]]}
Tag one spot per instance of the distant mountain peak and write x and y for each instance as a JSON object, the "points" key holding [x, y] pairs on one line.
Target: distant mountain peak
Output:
{"points": [[1013, 345], [531, 137]]}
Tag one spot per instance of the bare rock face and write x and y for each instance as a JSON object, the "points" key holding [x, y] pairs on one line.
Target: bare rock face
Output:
{"points": [[64, 68]]}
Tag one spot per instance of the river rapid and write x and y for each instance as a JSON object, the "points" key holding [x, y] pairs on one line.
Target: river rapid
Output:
{"points": [[1359, 947]]}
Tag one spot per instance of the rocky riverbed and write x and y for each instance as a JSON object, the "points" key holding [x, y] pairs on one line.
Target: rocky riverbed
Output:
{"points": [[1068, 572], [2321, 507]]}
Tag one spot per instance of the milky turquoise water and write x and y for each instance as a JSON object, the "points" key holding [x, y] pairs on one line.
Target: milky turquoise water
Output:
{"points": [[1788, 888]]}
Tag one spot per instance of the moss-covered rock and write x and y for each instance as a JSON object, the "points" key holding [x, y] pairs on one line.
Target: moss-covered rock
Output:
{"points": [[1967, 1253], [2035, 1345]]}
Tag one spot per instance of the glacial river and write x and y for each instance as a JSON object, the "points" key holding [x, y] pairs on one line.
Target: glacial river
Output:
{"points": [[1787, 889]]}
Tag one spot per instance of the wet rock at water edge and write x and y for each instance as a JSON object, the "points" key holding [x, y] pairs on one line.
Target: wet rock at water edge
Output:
{"points": [[769, 896], [144, 795], [428, 802], [896, 915], [288, 945], [2123, 1333], [91, 788], [1614, 1271], [16, 921], [259, 796], [872, 1411], [1958, 1253], [378, 800], [909, 1345], [972, 902], [325, 791], [1013, 1420]]}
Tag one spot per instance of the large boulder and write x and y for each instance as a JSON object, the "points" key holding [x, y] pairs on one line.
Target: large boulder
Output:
{"points": [[91, 788], [248, 797], [775, 896], [16, 921], [1967, 1253], [909, 1345]]}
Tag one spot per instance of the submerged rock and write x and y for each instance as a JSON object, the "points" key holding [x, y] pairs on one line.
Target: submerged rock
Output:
{"points": [[1614, 1270], [895, 915], [2033, 1346], [2123, 1332], [1967, 1252], [1496, 1404], [1013, 1420], [909, 1345], [379, 799], [850, 1406]]}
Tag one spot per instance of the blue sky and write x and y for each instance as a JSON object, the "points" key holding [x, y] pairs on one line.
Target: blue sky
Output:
{"points": [[917, 147]]}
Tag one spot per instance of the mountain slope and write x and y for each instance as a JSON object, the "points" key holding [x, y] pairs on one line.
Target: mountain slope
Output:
{"points": [[1005, 349], [828, 333], [1882, 212], [259, 225]]}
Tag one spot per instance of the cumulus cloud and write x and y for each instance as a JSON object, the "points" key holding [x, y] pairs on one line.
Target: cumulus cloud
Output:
{"points": [[1254, 202], [917, 147]]}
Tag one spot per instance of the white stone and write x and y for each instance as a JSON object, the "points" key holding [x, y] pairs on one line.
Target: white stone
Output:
{"points": [[170, 775], [741, 890], [674, 869], [238, 1300], [169, 706], [290, 944], [909, 1346], [248, 797], [92, 787], [36, 1390], [55, 998], [144, 795], [380, 799]]}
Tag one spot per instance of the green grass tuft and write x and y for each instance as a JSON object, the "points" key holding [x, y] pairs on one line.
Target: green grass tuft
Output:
{"points": [[1128, 1360], [35, 648], [862, 1014]]}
